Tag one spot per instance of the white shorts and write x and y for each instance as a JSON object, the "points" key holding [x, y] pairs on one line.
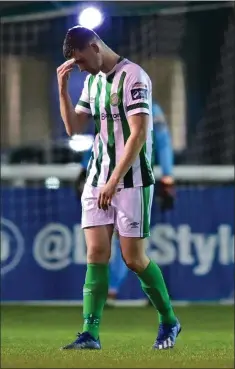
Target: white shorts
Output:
{"points": [[130, 210]]}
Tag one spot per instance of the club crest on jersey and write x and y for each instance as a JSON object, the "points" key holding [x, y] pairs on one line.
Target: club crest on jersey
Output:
{"points": [[114, 100]]}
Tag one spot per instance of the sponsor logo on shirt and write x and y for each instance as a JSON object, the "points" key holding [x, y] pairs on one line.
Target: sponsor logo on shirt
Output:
{"points": [[110, 116], [139, 93]]}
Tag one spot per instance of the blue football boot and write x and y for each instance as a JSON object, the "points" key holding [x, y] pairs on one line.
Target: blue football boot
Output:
{"points": [[84, 341], [167, 335]]}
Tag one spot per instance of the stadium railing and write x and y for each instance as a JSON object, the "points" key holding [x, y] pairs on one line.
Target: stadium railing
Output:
{"points": [[213, 173]]}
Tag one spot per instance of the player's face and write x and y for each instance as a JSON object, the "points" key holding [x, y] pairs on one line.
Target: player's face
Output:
{"points": [[89, 59]]}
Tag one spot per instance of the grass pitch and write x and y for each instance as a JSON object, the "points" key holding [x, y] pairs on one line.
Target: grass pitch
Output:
{"points": [[31, 338]]}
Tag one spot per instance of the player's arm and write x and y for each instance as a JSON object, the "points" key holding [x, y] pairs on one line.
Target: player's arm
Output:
{"points": [[76, 119], [137, 94], [163, 144], [164, 190], [75, 122]]}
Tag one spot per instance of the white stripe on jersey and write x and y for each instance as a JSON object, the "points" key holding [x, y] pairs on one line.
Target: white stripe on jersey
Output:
{"points": [[119, 139], [96, 141], [104, 136]]}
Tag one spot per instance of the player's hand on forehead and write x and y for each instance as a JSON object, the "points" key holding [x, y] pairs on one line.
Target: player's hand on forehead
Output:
{"points": [[63, 72], [66, 65]]}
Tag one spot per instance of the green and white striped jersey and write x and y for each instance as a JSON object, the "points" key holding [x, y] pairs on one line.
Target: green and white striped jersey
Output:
{"points": [[112, 98]]}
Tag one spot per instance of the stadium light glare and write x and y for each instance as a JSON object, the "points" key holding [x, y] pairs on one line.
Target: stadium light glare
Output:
{"points": [[81, 142], [90, 18]]}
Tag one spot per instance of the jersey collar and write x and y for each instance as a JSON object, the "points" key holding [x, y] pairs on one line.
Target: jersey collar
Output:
{"points": [[112, 72]]}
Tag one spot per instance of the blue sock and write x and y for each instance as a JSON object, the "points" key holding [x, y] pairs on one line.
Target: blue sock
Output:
{"points": [[118, 269]]}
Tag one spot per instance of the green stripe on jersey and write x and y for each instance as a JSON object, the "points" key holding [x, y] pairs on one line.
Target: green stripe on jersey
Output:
{"points": [[153, 150], [98, 126], [84, 104], [128, 178], [98, 164], [111, 150], [90, 81], [90, 164], [145, 191], [145, 167]]}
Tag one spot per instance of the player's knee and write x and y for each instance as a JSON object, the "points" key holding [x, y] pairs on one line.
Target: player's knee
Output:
{"points": [[135, 265], [97, 254]]}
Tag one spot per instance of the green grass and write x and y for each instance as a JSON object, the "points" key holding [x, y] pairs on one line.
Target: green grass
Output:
{"points": [[32, 336]]}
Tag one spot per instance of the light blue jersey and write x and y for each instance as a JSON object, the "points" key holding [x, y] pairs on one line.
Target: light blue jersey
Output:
{"points": [[162, 141]]}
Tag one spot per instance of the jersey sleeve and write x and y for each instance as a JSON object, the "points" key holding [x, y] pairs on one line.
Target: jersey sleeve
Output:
{"points": [[137, 92], [83, 103]]}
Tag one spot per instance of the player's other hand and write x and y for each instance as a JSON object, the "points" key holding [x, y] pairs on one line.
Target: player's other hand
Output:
{"points": [[63, 74], [165, 193], [106, 194]]}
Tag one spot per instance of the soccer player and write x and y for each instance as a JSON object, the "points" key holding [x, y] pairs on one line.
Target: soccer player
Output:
{"points": [[164, 193], [119, 186]]}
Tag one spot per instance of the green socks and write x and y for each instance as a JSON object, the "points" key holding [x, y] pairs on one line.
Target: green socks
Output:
{"points": [[153, 285], [95, 293]]}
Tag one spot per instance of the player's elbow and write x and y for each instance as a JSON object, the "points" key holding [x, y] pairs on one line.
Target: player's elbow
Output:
{"points": [[76, 125], [69, 125], [69, 131], [140, 137]]}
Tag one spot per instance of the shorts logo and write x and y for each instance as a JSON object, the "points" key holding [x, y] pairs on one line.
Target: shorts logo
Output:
{"points": [[114, 100], [139, 93], [134, 225]]}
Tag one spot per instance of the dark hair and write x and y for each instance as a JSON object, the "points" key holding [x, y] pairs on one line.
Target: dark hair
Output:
{"points": [[77, 37]]}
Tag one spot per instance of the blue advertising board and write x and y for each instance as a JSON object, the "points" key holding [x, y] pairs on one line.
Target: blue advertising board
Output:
{"points": [[43, 252]]}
